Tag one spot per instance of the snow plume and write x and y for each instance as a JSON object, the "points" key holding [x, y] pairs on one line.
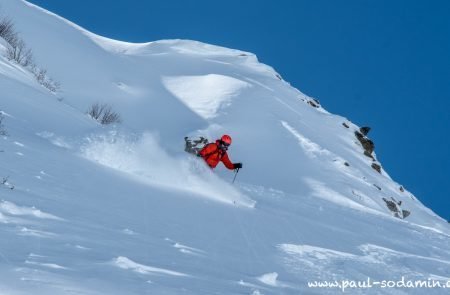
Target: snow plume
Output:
{"points": [[144, 160]]}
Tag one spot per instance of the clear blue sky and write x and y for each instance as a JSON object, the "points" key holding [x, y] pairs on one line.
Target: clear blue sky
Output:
{"points": [[385, 64]]}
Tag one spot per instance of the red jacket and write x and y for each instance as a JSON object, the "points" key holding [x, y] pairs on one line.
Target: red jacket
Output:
{"points": [[212, 154]]}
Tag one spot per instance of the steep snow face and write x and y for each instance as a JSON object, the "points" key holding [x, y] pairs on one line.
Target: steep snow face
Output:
{"points": [[93, 209]]}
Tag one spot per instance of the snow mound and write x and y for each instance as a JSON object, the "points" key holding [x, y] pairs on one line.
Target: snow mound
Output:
{"points": [[269, 279], [13, 209], [126, 263], [205, 95]]}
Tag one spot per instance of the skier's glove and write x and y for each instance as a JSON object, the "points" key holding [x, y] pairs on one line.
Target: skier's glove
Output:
{"points": [[237, 165]]}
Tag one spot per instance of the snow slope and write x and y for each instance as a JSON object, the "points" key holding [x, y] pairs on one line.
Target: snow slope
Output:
{"points": [[123, 210]]}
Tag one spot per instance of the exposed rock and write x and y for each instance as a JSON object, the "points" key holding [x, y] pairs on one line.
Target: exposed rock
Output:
{"points": [[376, 167], [312, 103], [402, 189], [366, 143], [406, 213], [379, 188], [368, 146], [359, 135], [391, 205], [345, 125], [364, 130], [346, 164], [366, 153], [394, 207]]}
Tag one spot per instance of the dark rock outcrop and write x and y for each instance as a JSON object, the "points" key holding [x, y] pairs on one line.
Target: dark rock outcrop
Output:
{"points": [[313, 104], [379, 188], [364, 130], [394, 207], [345, 125], [376, 167], [366, 143], [406, 213]]}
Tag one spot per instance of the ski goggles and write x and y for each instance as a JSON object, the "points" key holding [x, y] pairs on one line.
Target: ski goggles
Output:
{"points": [[224, 145]]}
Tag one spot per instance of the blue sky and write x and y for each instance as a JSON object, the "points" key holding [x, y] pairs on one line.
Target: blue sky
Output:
{"points": [[385, 64]]}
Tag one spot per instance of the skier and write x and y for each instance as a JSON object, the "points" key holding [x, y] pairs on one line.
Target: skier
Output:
{"points": [[215, 152]]}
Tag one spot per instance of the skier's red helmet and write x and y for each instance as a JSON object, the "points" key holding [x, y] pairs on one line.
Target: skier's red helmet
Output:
{"points": [[226, 139]]}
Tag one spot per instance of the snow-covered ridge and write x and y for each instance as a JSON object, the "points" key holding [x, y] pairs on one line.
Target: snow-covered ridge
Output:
{"points": [[116, 46], [121, 209], [158, 47]]}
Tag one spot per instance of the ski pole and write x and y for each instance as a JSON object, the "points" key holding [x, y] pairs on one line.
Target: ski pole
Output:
{"points": [[235, 174]]}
